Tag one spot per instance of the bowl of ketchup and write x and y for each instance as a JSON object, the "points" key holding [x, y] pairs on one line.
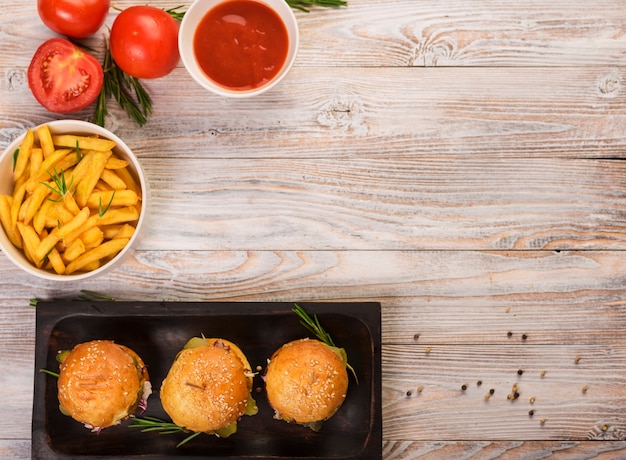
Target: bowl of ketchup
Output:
{"points": [[238, 48]]}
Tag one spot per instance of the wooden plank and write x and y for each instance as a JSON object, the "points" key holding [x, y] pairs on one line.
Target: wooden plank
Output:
{"points": [[343, 114], [425, 203], [400, 33], [456, 33], [504, 450], [447, 297], [425, 396]]}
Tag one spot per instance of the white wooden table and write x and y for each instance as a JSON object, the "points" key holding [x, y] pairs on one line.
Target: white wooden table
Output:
{"points": [[461, 162]]}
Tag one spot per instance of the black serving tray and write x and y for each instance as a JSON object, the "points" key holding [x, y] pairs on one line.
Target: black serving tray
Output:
{"points": [[158, 330]]}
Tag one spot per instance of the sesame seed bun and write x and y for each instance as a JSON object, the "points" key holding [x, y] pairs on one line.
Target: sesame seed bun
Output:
{"points": [[101, 383], [207, 387], [306, 382]]}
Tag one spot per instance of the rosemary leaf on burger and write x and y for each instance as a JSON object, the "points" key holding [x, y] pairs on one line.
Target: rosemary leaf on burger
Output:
{"points": [[313, 325]]}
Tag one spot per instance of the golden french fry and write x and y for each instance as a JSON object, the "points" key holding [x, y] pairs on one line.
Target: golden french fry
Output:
{"points": [[116, 163], [91, 237], [46, 245], [110, 177], [74, 224], [56, 262], [119, 216], [60, 232], [83, 142], [108, 249], [70, 204], [19, 192], [5, 219], [102, 186], [126, 231], [74, 250], [47, 168], [39, 221], [36, 158], [23, 155], [58, 216], [31, 242], [129, 180], [45, 140], [35, 201], [112, 199], [86, 184]]}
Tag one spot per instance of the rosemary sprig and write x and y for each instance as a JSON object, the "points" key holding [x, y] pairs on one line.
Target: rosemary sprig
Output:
{"points": [[46, 371], [62, 188], [102, 212], [304, 5], [15, 155], [84, 295], [176, 13], [148, 424], [92, 295], [313, 325], [125, 89]]}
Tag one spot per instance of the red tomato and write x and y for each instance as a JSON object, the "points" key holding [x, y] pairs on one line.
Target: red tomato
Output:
{"points": [[144, 42], [63, 77], [74, 18]]}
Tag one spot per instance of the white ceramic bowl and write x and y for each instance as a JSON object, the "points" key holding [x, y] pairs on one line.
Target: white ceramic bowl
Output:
{"points": [[196, 12], [6, 188]]}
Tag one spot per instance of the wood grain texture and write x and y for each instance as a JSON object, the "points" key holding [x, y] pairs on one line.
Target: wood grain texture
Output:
{"points": [[462, 163]]}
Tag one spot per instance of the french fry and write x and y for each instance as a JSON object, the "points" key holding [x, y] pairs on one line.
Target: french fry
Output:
{"points": [[91, 237], [5, 218], [70, 204], [87, 183], [83, 142], [74, 250], [35, 201], [39, 221], [46, 170], [102, 186], [56, 262], [108, 249], [77, 222], [113, 199], [31, 242], [110, 177], [59, 233], [119, 216], [116, 163], [19, 192], [45, 140], [24, 154], [36, 158], [126, 231], [129, 180]]}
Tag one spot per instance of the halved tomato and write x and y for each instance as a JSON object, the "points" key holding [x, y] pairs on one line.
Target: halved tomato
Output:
{"points": [[63, 77]]}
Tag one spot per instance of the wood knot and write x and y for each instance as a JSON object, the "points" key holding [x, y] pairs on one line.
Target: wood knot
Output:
{"points": [[16, 79], [343, 112], [609, 85], [606, 432]]}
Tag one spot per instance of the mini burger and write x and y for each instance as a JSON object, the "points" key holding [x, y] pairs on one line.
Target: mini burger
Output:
{"points": [[208, 387], [306, 382], [102, 383]]}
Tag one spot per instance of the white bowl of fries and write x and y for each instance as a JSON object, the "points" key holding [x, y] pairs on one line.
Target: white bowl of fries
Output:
{"points": [[72, 200]]}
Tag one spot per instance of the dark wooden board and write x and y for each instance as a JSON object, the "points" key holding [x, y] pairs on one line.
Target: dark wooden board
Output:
{"points": [[158, 330]]}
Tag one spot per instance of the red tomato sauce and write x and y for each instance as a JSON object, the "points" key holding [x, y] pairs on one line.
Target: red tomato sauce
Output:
{"points": [[241, 44]]}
